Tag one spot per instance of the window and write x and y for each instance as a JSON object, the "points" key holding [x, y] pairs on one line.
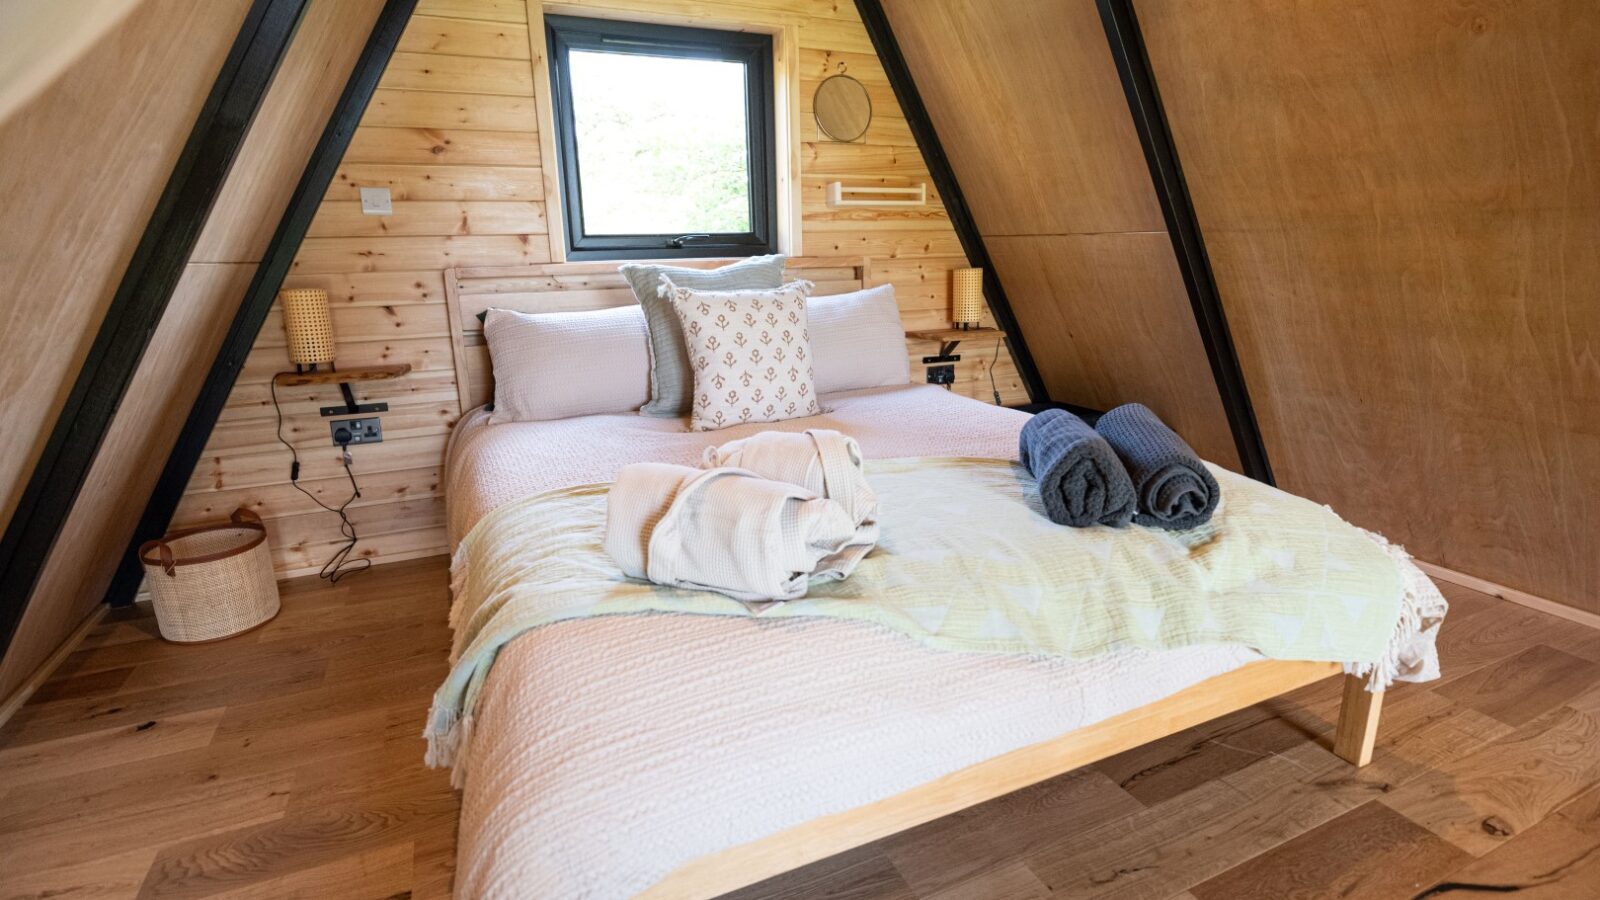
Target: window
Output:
{"points": [[665, 138]]}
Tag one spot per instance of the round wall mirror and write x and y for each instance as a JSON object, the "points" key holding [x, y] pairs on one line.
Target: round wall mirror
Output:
{"points": [[843, 108]]}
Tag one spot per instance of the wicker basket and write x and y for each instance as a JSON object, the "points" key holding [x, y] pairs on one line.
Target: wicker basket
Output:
{"points": [[211, 582]]}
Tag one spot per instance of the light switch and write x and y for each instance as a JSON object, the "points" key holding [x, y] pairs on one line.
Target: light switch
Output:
{"points": [[376, 202]]}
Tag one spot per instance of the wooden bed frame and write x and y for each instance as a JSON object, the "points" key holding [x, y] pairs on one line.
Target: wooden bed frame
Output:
{"points": [[820, 838], [570, 286]]}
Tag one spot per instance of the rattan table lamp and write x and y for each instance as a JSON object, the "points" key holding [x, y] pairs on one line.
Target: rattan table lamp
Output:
{"points": [[966, 298], [309, 325]]}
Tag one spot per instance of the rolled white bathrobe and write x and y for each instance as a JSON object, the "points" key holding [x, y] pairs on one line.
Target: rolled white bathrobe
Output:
{"points": [[826, 462], [725, 530]]}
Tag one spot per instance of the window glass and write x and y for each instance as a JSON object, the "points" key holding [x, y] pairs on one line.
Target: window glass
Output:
{"points": [[665, 137], [662, 143]]}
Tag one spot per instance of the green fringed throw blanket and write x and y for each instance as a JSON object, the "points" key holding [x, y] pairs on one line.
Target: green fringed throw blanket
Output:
{"points": [[967, 561]]}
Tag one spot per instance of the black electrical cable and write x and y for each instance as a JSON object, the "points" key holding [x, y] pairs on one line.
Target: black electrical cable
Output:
{"points": [[340, 564], [992, 363]]}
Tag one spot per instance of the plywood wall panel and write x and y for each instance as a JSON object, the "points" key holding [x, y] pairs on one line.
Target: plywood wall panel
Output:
{"points": [[85, 161], [453, 133], [1029, 109], [1027, 103], [1135, 349], [42, 40], [1401, 203]]}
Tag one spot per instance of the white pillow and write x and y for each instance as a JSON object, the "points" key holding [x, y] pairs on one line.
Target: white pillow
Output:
{"points": [[563, 364], [857, 340], [750, 354]]}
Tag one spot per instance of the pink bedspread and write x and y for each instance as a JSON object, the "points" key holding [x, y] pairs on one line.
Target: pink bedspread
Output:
{"points": [[610, 751], [494, 464]]}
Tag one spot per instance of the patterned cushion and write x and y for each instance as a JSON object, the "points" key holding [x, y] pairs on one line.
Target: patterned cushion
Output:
{"points": [[750, 353], [671, 382]]}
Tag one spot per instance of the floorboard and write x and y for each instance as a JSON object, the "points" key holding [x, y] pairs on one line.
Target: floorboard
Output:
{"points": [[287, 763]]}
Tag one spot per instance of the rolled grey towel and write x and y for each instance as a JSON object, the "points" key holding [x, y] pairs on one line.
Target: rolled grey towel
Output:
{"points": [[1080, 479], [1175, 490]]}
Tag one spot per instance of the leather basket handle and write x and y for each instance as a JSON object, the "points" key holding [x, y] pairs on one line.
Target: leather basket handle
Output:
{"points": [[242, 516]]}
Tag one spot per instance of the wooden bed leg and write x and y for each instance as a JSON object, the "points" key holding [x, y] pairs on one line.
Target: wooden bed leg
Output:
{"points": [[1357, 731]]}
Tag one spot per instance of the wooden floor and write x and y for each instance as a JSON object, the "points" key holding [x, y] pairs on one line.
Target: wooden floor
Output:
{"points": [[287, 763]]}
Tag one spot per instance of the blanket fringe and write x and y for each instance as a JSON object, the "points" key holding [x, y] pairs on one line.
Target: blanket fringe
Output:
{"points": [[1422, 610], [448, 737]]}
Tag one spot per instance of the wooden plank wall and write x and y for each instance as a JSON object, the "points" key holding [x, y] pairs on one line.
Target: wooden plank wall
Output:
{"points": [[1025, 97], [1402, 206], [454, 133], [285, 130]]}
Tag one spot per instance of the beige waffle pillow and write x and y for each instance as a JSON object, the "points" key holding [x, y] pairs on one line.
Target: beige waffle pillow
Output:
{"points": [[562, 364], [750, 354]]}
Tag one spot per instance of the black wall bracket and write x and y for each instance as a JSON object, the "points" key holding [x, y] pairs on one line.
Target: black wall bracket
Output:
{"points": [[351, 407]]}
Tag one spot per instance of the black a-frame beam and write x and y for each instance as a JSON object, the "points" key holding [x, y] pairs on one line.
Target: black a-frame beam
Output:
{"points": [[1188, 245]]}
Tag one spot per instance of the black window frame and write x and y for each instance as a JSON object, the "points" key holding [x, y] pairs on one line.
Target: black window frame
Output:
{"points": [[755, 50]]}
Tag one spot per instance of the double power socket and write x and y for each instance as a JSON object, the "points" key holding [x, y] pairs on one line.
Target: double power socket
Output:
{"points": [[349, 432]]}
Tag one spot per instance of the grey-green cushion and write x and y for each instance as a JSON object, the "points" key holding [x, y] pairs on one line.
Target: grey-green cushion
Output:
{"points": [[671, 381]]}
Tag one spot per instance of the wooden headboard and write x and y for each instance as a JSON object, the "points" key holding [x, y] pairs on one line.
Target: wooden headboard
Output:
{"points": [[558, 287]]}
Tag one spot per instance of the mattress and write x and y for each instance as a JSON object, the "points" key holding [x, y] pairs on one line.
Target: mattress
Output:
{"points": [[610, 751]]}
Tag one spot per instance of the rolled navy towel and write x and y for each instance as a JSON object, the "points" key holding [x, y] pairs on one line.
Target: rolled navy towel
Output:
{"points": [[1175, 490], [1081, 481]]}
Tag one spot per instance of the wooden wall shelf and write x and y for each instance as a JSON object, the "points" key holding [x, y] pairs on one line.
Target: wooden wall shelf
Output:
{"points": [[949, 338], [341, 376], [954, 334]]}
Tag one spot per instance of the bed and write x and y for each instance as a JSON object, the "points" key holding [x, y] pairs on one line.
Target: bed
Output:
{"points": [[686, 756]]}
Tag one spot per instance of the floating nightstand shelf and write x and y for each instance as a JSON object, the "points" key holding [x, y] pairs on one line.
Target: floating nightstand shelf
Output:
{"points": [[343, 377], [948, 338]]}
